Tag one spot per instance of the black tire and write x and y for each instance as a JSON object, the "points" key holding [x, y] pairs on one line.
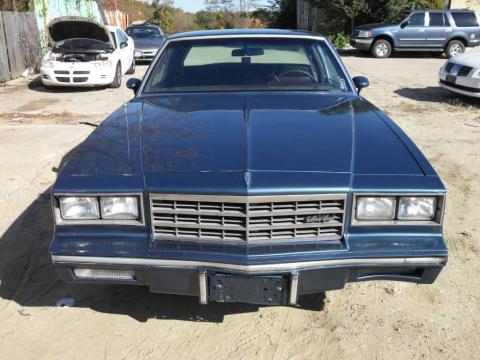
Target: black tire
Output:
{"points": [[131, 71], [454, 48], [117, 81], [381, 49]]}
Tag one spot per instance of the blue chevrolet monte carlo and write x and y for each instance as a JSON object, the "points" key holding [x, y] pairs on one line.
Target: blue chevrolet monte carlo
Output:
{"points": [[247, 168]]}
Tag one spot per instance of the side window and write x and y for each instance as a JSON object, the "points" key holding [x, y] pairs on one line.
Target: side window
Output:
{"points": [[465, 19], [121, 36], [436, 19], [417, 19]]}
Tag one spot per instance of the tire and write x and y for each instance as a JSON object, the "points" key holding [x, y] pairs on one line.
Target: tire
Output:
{"points": [[381, 49], [454, 48], [117, 81], [131, 71]]}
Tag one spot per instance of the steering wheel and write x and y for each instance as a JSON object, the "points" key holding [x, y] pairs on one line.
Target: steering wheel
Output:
{"points": [[297, 71]]}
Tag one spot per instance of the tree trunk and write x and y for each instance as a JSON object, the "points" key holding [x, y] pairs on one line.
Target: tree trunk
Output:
{"points": [[14, 6]]}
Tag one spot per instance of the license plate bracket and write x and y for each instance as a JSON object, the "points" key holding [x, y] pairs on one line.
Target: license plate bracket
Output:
{"points": [[451, 79], [261, 290]]}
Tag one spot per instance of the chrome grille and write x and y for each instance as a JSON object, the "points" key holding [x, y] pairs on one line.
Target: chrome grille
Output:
{"points": [[243, 218], [462, 69]]}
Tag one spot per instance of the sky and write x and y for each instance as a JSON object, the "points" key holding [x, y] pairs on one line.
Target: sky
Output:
{"points": [[196, 5]]}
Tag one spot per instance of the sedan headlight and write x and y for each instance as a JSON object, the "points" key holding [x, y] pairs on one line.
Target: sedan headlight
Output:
{"points": [[79, 208], [375, 208], [476, 74], [365, 34], [417, 208], [119, 207]]}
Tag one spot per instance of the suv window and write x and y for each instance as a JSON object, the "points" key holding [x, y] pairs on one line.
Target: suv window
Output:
{"points": [[465, 19], [417, 19], [436, 19]]}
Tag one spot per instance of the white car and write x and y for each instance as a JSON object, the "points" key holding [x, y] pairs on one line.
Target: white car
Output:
{"points": [[86, 53], [461, 74]]}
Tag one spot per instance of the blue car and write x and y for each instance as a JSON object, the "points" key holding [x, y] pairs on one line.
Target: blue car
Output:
{"points": [[247, 168]]}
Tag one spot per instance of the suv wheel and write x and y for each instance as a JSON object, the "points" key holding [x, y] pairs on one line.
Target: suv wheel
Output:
{"points": [[454, 48], [381, 49]]}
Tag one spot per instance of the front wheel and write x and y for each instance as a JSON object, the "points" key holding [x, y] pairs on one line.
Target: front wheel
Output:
{"points": [[132, 68], [454, 48], [381, 49], [117, 81]]}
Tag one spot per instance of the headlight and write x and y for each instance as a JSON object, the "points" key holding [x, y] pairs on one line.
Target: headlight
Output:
{"points": [[375, 208], [365, 34], [417, 208], [476, 74], [119, 207], [47, 63], [138, 54], [103, 63], [79, 208]]}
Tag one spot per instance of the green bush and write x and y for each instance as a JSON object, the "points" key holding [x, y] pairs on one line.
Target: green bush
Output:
{"points": [[340, 40]]}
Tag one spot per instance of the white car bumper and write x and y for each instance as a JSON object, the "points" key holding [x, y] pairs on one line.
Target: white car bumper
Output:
{"points": [[77, 74], [464, 85]]}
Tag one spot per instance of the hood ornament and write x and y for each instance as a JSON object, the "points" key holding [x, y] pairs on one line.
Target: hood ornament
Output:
{"points": [[247, 178]]}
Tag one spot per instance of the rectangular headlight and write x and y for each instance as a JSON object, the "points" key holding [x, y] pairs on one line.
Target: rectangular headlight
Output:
{"points": [[79, 208], [375, 208], [119, 207], [417, 208]]}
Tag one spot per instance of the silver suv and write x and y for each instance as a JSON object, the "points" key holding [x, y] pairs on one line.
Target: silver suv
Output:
{"points": [[449, 31]]}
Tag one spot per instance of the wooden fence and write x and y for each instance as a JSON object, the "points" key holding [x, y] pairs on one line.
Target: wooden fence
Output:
{"points": [[19, 43]]}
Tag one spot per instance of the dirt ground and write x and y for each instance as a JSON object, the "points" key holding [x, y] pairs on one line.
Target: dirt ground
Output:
{"points": [[377, 320]]}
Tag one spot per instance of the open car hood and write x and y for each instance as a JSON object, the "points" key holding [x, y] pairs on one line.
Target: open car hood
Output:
{"points": [[76, 27]]}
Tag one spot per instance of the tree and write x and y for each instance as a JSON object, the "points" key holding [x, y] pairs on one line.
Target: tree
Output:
{"points": [[163, 15], [349, 9]]}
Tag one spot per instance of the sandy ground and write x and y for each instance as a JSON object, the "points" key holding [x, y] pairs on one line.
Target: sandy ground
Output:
{"points": [[364, 321]]}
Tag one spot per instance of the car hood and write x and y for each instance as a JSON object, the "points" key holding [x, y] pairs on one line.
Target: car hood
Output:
{"points": [[75, 27], [471, 58], [172, 139], [144, 44], [377, 26]]}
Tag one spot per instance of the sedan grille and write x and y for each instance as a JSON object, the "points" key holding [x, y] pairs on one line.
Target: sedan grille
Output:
{"points": [[247, 219], [462, 69]]}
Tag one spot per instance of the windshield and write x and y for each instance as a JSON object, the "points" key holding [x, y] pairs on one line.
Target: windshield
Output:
{"points": [[82, 44], [246, 65], [144, 33]]}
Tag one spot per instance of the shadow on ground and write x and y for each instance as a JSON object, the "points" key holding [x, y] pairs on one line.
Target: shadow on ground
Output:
{"points": [[400, 55], [28, 278], [438, 95]]}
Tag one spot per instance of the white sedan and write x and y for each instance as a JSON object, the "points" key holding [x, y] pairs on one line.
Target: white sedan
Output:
{"points": [[461, 74], [86, 53]]}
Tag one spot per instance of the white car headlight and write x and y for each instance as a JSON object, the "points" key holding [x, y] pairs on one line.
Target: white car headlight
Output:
{"points": [[476, 74], [47, 63], [119, 207], [375, 208], [103, 63], [365, 34], [417, 208], [138, 53], [79, 208]]}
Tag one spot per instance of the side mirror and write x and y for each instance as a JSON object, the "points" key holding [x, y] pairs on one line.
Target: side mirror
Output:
{"points": [[404, 24], [361, 82], [123, 45], [134, 85]]}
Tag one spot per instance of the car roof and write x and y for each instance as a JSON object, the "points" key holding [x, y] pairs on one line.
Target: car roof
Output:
{"points": [[443, 10], [246, 32]]}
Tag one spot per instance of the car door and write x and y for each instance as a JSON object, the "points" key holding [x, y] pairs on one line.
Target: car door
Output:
{"points": [[438, 29], [413, 34], [126, 51]]}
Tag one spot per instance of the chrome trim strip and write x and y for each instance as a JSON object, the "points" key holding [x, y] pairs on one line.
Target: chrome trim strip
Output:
{"points": [[293, 289], [260, 268], [202, 282]]}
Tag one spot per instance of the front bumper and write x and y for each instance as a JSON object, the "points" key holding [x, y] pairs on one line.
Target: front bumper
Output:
{"points": [[361, 43], [463, 85], [183, 277], [76, 75]]}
